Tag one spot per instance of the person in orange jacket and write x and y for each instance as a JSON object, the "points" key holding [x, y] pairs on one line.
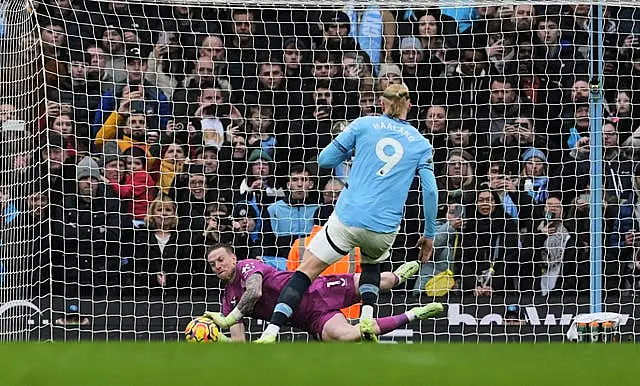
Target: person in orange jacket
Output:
{"points": [[349, 263]]}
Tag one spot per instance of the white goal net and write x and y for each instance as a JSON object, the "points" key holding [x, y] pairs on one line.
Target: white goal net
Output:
{"points": [[136, 134]]}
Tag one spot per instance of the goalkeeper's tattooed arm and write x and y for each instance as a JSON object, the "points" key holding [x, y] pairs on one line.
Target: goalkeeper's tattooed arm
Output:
{"points": [[251, 295]]}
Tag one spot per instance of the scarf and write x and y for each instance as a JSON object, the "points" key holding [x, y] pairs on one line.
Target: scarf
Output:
{"points": [[366, 29], [509, 206], [539, 194], [552, 254]]}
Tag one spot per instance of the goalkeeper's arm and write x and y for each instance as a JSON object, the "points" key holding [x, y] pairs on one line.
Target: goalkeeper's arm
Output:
{"points": [[251, 295]]}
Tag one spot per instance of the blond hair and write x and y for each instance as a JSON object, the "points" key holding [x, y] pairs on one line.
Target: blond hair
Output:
{"points": [[396, 100], [151, 220]]}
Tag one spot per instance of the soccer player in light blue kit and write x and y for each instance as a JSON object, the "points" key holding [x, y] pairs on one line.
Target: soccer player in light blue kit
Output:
{"points": [[388, 151]]}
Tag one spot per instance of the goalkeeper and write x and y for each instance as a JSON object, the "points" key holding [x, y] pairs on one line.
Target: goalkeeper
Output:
{"points": [[252, 289], [369, 210]]}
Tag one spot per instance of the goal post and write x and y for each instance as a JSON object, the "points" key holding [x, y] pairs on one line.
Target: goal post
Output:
{"points": [[153, 130], [21, 96]]}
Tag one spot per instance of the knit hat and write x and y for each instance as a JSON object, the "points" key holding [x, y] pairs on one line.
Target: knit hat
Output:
{"points": [[534, 153], [110, 153], [87, 167], [260, 154], [386, 68], [336, 17], [410, 42]]}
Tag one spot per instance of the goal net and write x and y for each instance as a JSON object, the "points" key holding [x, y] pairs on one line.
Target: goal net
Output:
{"points": [[136, 134]]}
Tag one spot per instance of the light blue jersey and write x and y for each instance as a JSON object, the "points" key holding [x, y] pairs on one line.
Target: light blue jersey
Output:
{"points": [[388, 152]]}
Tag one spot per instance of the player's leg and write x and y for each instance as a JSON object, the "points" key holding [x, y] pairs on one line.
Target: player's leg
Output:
{"points": [[325, 248], [374, 248], [337, 328], [389, 280]]}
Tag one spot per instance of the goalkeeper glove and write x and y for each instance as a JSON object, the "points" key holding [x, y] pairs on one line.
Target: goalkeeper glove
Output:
{"points": [[223, 321]]}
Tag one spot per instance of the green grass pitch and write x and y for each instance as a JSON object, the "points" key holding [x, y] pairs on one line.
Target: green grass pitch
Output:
{"points": [[176, 364]]}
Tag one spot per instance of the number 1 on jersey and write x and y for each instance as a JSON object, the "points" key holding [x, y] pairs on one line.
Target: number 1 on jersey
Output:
{"points": [[390, 160]]}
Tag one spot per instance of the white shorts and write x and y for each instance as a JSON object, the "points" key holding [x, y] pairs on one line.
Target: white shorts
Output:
{"points": [[335, 240]]}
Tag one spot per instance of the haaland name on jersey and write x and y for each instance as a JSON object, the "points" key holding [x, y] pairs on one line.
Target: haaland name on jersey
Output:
{"points": [[381, 125]]}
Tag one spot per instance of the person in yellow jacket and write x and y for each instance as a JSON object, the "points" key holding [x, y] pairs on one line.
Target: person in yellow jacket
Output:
{"points": [[349, 263], [131, 117]]}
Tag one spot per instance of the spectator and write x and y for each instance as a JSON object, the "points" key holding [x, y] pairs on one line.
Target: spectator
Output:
{"points": [[446, 245], [470, 80], [429, 31], [259, 184], [75, 19], [534, 175], [489, 247], [563, 266], [215, 117], [389, 74], [335, 39], [127, 127], [82, 91], [247, 231], [519, 135], [167, 258], [218, 184], [242, 48], [219, 225], [504, 107], [434, 128], [458, 175], [515, 197], [259, 129], [537, 89], [524, 17], [156, 103], [173, 161], [190, 194], [318, 118], [54, 164], [295, 60], [272, 91], [213, 47], [112, 164], [166, 65], [233, 158], [291, 217], [114, 49], [460, 136], [56, 55], [36, 220], [96, 68], [138, 188], [130, 18], [93, 230], [75, 138], [558, 60], [501, 47]]}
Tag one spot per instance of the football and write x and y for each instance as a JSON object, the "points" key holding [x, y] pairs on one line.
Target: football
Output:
{"points": [[202, 330]]}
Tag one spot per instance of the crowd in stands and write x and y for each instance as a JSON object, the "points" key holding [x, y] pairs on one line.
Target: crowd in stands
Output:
{"points": [[170, 128]]}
